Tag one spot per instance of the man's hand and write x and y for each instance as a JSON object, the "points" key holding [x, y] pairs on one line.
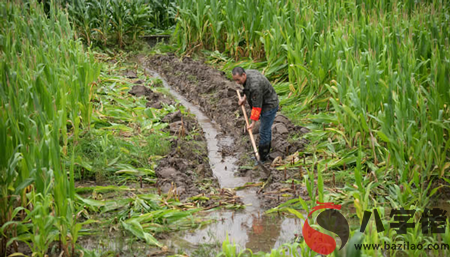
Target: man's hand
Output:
{"points": [[242, 101], [251, 126]]}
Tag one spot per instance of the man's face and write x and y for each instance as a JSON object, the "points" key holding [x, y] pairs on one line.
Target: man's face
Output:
{"points": [[240, 79]]}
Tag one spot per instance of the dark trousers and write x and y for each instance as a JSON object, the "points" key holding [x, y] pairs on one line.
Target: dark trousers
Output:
{"points": [[265, 132]]}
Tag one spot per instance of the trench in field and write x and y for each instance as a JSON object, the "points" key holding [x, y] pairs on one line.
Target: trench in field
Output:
{"points": [[250, 227]]}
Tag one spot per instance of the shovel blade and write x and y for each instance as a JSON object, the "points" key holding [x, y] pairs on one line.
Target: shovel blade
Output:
{"points": [[266, 170]]}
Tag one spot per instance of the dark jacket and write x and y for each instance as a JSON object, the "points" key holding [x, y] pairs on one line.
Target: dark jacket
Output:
{"points": [[260, 93]]}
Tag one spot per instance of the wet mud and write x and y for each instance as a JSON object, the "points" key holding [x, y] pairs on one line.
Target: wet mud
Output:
{"points": [[155, 99], [212, 98], [249, 227], [216, 96], [185, 171]]}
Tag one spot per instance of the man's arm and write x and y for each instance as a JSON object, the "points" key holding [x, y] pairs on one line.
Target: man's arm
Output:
{"points": [[257, 104], [257, 100]]}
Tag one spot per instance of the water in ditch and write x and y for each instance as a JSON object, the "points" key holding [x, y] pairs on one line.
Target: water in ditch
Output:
{"points": [[250, 227]]}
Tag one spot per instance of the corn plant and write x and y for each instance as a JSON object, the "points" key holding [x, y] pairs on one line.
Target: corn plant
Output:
{"points": [[383, 80], [370, 78], [40, 223], [122, 20], [163, 13], [232, 250], [44, 97], [91, 19]]}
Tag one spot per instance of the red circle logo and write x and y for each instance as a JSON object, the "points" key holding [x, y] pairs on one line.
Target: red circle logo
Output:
{"points": [[331, 220]]}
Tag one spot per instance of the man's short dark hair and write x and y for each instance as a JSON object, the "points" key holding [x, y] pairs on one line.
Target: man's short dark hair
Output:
{"points": [[238, 71]]}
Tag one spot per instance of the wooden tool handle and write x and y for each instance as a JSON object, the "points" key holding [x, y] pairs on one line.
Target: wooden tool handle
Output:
{"points": [[249, 130]]}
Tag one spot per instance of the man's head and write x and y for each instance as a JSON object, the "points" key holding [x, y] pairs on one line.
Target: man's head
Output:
{"points": [[239, 75]]}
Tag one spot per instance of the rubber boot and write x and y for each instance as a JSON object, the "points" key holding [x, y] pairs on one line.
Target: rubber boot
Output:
{"points": [[263, 156], [264, 152]]}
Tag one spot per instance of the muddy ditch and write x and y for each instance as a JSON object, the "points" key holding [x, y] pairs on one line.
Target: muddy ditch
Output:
{"points": [[211, 97], [216, 96], [185, 172], [209, 162]]}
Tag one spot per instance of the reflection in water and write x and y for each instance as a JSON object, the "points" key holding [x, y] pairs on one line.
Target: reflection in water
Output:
{"points": [[264, 233], [254, 231]]}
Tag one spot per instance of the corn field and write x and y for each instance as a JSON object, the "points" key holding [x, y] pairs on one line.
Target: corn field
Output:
{"points": [[119, 22], [370, 79], [46, 80], [55, 98], [381, 69]]}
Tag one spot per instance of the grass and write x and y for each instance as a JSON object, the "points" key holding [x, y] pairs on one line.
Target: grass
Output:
{"points": [[122, 147], [232, 250], [100, 152], [124, 131]]}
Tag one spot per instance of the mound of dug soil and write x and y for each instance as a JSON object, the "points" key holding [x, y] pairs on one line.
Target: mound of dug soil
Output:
{"points": [[155, 99], [179, 172]]}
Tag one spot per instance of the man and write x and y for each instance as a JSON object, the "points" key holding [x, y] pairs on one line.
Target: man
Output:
{"points": [[263, 100]]}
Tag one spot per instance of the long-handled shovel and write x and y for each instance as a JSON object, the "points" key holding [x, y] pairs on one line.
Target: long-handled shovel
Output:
{"points": [[267, 171]]}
